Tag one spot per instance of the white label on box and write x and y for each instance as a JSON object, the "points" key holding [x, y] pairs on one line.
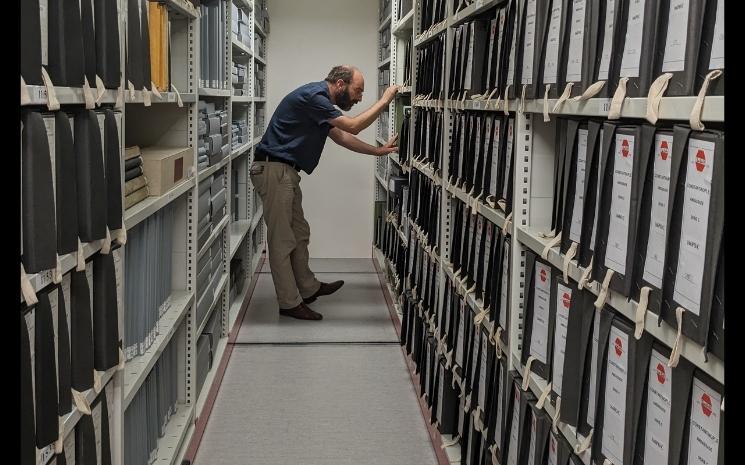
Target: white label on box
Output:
{"points": [[487, 255], [655, 257], [593, 371], [504, 289], [500, 404], [576, 41], [575, 231], [610, 23], [508, 155], [677, 32], [563, 303], [514, 429], [460, 345], [533, 429], [632, 51], [483, 372], [551, 62], [529, 43], [502, 19], [703, 443], [495, 157], [615, 396], [716, 61], [659, 403], [597, 195], [690, 274], [511, 62], [541, 313], [553, 447], [620, 206]]}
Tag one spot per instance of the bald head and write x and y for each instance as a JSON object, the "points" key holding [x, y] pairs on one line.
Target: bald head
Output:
{"points": [[346, 86]]}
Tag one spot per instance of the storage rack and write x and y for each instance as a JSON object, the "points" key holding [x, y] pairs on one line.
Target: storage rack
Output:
{"points": [[534, 159], [242, 237]]}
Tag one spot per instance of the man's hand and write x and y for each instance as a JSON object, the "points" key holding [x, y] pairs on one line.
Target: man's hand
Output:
{"points": [[389, 147], [390, 93]]}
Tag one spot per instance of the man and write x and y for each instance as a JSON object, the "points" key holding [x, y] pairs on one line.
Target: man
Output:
{"points": [[293, 141]]}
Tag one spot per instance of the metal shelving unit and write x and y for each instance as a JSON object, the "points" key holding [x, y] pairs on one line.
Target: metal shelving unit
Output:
{"points": [[532, 201], [177, 324]]}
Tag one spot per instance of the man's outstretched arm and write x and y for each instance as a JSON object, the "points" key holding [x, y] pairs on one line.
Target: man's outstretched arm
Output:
{"points": [[355, 124], [352, 143]]}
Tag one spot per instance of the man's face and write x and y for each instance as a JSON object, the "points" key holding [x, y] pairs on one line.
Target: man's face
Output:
{"points": [[350, 94]]}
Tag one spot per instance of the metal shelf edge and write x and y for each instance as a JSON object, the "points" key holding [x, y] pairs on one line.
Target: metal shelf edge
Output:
{"points": [[406, 23], [213, 236], [181, 300], [207, 172], [139, 212]]}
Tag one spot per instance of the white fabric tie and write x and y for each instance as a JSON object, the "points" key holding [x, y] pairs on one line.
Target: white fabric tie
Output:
{"points": [[29, 294], [564, 96], [57, 275], [81, 402], [521, 108], [584, 445], [122, 360], [641, 311], [544, 396], [591, 91], [52, 102], [147, 97], [617, 103], [156, 92], [121, 234], [678, 344], [131, 90], [526, 373], [478, 319], [507, 224], [548, 235], [25, 97], [568, 258], [90, 100], [120, 96], [603, 295], [506, 99], [106, 247], [698, 106], [654, 97], [607, 462], [555, 419], [498, 342], [546, 118], [585, 276], [100, 89], [81, 257], [502, 203], [551, 244]]}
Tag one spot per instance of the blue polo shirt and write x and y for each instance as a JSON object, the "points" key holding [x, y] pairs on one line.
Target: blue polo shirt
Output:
{"points": [[299, 126]]}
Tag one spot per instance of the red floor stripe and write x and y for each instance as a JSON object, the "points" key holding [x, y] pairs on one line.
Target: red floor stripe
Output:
{"points": [[434, 435]]}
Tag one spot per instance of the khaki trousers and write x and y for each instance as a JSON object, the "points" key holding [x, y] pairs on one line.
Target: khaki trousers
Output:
{"points": [[288, 233]]}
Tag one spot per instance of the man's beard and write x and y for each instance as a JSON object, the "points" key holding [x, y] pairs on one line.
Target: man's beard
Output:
{"points": [[344, 100]]}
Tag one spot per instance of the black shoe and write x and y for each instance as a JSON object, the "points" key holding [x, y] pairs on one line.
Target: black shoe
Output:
{"points": [[301, 312], [325, 289]]}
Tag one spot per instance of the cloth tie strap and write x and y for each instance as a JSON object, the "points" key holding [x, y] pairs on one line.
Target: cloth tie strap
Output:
{"points": [[698, 106], [617, 103]]}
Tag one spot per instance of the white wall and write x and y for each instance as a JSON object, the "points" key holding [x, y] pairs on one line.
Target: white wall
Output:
{"points": [[306, 40]]}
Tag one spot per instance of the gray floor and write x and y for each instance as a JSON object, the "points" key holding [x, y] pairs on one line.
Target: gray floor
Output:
{"points": [[318, 404], [355, 313], [331, 265]]}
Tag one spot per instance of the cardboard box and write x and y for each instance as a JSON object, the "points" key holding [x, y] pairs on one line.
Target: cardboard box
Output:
{"points": [[165, 167]]}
